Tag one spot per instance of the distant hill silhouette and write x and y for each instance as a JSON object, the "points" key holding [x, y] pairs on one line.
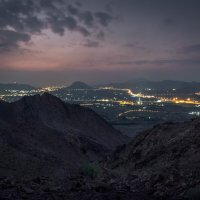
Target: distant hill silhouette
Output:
{"points": [[16, 86], [158, 85], [79, 85]]}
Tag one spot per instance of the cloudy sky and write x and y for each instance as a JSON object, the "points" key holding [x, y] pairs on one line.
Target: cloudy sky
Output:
{"points": [[47, 42]]}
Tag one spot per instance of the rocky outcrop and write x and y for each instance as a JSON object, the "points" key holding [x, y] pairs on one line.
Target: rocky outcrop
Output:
{"points": [[41, 135], [72, 189], [163, 161]]}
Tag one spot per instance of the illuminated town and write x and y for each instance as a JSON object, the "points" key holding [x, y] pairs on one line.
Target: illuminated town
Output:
{"points": [[125, 108]]}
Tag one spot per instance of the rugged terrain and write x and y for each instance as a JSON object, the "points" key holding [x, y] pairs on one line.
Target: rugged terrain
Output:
{"points": [[74, 188], [53, 150], [163, 161], [41, 135]]}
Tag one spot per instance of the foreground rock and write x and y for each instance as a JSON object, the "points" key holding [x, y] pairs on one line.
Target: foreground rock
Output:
{"points": [[165, 161], [41, 136], [73, 188]]}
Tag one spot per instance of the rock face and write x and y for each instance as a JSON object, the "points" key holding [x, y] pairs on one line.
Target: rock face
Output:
{"points": [[165, 161], [71, 189], [43, 136]]}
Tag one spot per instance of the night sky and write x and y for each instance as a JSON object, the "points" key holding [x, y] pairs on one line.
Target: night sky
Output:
{"points": [[48, 42]]}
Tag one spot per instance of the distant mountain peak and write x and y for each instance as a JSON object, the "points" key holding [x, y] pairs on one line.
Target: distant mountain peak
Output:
{"points": [[49, 97], [41, 97], [79, 85]]}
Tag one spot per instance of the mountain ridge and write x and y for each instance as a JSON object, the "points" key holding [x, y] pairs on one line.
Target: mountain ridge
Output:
{"points": [[158, 85], [56, 137], [16, 86]]}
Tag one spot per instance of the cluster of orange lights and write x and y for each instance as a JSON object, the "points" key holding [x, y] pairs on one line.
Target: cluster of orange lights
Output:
{"points": [[182, 101], [126, 102]]}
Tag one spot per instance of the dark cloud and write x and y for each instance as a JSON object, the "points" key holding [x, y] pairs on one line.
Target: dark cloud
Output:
{"points": [[87, 18], [33, 25], [73, 10], [78, 4], [58, 25], [103, 18], [16, 14], [83, 31], [108, 7], [28, 17], [168, 22], [10, 39], [130, 45], [100, 35], [160, 62], [135, 46], [91, 44], [191, 49]]}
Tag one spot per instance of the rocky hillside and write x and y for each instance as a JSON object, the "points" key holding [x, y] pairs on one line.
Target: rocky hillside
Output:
{"points": [[74, 188], [163, 161], [43, 136]]}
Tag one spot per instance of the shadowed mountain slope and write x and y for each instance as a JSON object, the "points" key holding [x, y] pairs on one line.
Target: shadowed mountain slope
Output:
{"points": [[41, 135], [164, 160]]}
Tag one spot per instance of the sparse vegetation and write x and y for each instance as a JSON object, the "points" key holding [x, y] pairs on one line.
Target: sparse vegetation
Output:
{"points": [[90, 170], [194, 193]]}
